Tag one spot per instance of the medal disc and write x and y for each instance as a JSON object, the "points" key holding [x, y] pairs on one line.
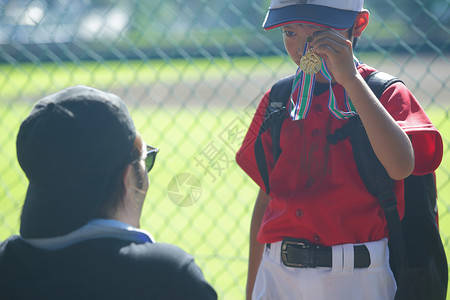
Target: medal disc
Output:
{"points": [[310, 63]]}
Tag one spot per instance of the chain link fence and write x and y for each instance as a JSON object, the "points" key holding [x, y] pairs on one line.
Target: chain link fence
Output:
{"points": [[192, 74]]}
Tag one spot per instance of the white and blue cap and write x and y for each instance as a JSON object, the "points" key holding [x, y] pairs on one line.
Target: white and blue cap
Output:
{"points": [[337, 14]]}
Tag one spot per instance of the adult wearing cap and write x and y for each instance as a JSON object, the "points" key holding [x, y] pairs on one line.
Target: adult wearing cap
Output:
{"points": [[79, 232], [316, 232]]}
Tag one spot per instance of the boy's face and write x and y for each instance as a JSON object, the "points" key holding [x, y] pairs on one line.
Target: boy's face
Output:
{"points": [[294, 36]]}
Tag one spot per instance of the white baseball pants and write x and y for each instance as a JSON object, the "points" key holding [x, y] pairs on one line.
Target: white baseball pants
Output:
{"points": [[275, 281]]}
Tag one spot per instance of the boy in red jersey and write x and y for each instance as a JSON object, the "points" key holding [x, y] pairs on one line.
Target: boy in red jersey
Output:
{"points": [[317, 200]]}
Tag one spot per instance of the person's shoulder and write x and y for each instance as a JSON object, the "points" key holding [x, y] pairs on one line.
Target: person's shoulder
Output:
{"points": [[12, 238], [175, 271], [283, 80], [157, 248], [159, 253], [365, 70], [7, 249], [9, 242], [386, 80]]}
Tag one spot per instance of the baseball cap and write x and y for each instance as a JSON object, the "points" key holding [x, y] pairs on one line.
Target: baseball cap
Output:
{"points": [[338, 14], [72, 144]]}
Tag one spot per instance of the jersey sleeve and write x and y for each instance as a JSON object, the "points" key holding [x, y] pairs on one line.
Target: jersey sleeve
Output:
{"points": [[245, 156], [426, 139]]}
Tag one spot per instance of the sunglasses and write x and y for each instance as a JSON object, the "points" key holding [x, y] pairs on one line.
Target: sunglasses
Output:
{"points": [[151, 156]]}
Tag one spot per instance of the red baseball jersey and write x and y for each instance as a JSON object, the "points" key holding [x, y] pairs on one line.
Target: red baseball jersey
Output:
{"points": [[316, 191]]}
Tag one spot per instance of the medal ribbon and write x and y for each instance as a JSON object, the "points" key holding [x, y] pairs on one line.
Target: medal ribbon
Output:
{"points": [[303, 87], [332, 103]]}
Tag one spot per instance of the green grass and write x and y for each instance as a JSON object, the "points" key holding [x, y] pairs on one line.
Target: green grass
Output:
{"points": [[214, 229]]}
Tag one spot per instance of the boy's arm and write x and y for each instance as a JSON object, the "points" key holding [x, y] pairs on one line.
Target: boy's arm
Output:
{"points": [[256, 248], [389, 142]]}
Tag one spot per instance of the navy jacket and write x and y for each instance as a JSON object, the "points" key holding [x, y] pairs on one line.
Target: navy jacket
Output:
{"points": [[103, 268]]}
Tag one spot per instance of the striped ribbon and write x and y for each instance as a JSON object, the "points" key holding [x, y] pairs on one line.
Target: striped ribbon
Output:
{"points": [[303, 88]]}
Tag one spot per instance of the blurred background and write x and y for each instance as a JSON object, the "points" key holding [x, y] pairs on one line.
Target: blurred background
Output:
{"points": [[192, 74]]}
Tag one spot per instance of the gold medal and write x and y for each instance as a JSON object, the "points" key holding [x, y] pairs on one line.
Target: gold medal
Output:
{"points": [[310, 63]]}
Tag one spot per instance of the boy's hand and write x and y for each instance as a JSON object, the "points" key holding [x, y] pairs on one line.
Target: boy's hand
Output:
{"points": [[336, 50]]}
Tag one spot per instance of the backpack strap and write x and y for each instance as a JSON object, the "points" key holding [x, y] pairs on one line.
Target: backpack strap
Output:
{"points": [[278, 99], [377, 180], [380, 81], [381, 185], [273, 120]]}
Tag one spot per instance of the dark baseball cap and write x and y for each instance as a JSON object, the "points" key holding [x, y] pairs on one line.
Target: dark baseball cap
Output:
{"points": [[70, 147], [337, 14]]}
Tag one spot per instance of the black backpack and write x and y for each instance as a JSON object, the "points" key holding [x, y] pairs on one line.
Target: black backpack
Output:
{"points": [[417, 255]]}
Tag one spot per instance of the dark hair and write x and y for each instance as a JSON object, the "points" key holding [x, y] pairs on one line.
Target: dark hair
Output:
{"points": [[355, 39], [115, 188]]}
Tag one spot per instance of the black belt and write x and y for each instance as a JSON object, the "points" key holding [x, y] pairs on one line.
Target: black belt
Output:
{"points": [[303, 254]]}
